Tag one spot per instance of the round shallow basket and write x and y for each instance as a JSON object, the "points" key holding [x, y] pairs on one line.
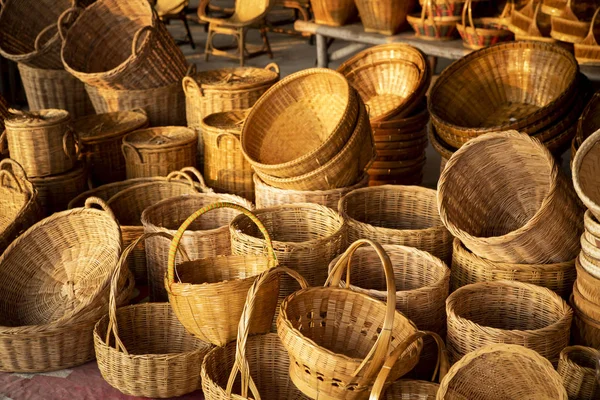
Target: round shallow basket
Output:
{"points": [[42, 142], [502, 371], [159, 151], [422, 284], [577, 368], [300, 123], [501, 312], [101, 137], [55, 88], [383, 16], [466, 102], [56, 191], [143, 350], [526, 213], [322, 362], [404, 215], [121, 45], [585, 177], [343, 170], [333, 12], [467, 268], [269, 196], [208, 294], [18, 202], [206, 237]]}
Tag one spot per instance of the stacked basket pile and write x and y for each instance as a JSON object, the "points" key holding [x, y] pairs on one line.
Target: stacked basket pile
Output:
{"points": [[392, 80]]}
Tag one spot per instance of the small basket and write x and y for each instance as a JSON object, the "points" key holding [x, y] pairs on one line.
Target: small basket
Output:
{"points": [[55, 88], [502, 371], [333, 13], [159, 151], [101, 137], [541, 225], [208, 237], [18, 202], [501, 312], [384, 16], [300, 124], [428, 27], [588, 51], [56, 191], [577, 368], [42, 142], [402, 215], [209, 294], [482, 32], [567, 27], [121, 45], [467, 268], [149, 354], [585, 173]]}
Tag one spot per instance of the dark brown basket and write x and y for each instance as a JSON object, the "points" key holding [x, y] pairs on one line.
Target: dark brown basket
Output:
{"points": [[56, 191]]}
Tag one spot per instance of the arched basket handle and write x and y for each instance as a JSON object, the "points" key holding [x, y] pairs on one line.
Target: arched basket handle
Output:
{"points": [[92, 201], [181, 175], [273, 67], [62, 23], [127, 148], [38, 39], [137, 37]]}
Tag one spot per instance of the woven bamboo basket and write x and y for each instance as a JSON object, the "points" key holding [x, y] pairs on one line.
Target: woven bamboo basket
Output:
{"points": [[159, 151], [422, 285], [587, 283], [343, 170], [585, 174], [586, 330], [502, 371], [121, 45], [384, 16], [589, 256], [529, 22], [500, 312], [333, 13], [207, 237], [467, 268], [225, 168], [56, 191], [18, 202], [101, 137], [300, 123], [129, 204], [588, 51], [568, 27], [443, 149], [585, 305], [323, 362], [55, 88], [481, 32], [589, 122], [403, 215], [405, 127], [269, 196], [429, 27], [541, 225], [261, 360], [150, 354], [408, 389], [209, 294], [42, 142], [482, 109], [577, 368]]}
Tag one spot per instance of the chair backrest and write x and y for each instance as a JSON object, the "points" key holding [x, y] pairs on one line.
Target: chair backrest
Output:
{"points": [[247, 10], [167, 7]]}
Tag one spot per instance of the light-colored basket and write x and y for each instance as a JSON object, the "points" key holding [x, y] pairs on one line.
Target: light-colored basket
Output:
{"points": [[56, 191], [587, 283], [159, 151], [408, 389], [585, 172], [208, 294], [526, 213], [577, 368], [403, 215], [501, 312], [333, 12], [207, 237], [586, 330], [502, 371], [384, 16]]}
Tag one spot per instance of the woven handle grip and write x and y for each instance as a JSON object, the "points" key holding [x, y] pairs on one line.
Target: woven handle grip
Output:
{"points": [[11, 177], [379, 350], [73, 135], [126, 146], [241, 363], [196, 174], [3, 141], [591, 38], [14, 171], [190, 86], [90, 202], [273, 67], [181, 175], [204, 210], [136, 38], [225, 134], [37, 44], [61, 20]]}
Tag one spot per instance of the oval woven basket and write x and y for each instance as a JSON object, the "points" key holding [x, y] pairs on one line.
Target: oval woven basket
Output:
{"points": [[333, 13], [208, 294], [502, 371], [159, 151], [584, 167], [501, 312], [577, 368], [18, 202], [206, 237], [121, 45], [384, 16], [468, 268], [150, 354], [56, 191], [101, 137], [404, 215], [541, 224], [300, 123]]}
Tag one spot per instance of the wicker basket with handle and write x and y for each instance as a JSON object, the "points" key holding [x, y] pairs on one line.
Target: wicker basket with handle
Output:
{"points": [[481, 32], [428, 26], [577, 368], [56, 191]]}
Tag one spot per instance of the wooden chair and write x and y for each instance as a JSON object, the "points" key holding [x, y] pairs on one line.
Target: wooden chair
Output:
{"points": [[175, 9], [248, 14]]}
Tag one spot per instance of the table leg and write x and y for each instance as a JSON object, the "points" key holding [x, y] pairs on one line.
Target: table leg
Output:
{"points": [[322, 55], [432, 60]]}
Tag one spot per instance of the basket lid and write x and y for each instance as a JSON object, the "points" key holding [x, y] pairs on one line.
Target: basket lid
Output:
{"points": [[36, 119], [164, 136], [108, 125], [236, 78], [227, 121]]}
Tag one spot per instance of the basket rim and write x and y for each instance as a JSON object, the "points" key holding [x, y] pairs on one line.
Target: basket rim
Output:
{"points": [[582, 152], [592, 106], [382, 48], [413, 118], [267, 81], [15, 121], [193, 136], [587, 351], [78, 170], [259, 182], [236, 131], [138, 119]]}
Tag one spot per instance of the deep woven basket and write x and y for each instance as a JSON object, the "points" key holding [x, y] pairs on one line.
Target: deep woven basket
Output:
{"points": [[333, 13], [577, 368], [501, 312], [584, 169], [404, 215], [586, 330], [56, 191], [384, 16]]}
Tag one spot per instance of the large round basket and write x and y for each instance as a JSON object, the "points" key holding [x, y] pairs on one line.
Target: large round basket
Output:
{"points": [[528, 211], [577, 368], [56, 191], [404, 215], [501, 312], [206, 237]]}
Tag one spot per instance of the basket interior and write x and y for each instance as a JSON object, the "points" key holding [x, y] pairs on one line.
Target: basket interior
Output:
{"points": [[234, 78], [393, 208], [221, 268], [583, 359], [229, 120], [484, 195], [396, 51]]}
